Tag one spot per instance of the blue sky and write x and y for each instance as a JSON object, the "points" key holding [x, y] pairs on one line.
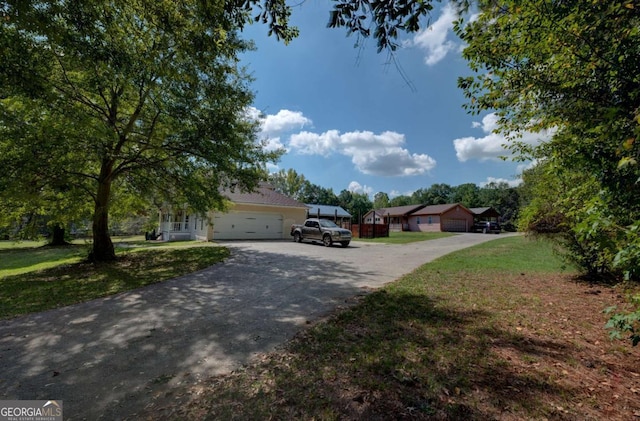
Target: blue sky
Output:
{"points": [[348, 119]]}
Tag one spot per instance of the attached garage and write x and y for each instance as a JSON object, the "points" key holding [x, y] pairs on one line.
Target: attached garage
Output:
{"points": [[263, 214], [247, 226], [455, 225]]}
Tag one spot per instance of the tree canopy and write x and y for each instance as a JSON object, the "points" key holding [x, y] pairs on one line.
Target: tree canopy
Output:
{"points": [[570, 68], [130, 96], [141, 97]]}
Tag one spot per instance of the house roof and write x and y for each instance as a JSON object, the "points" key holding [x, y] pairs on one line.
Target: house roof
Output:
{"points": [[439, 209], [263, 195], [486, 211], [398, 210], [326, 210]]}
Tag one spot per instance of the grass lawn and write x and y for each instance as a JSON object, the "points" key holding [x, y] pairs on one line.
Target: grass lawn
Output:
{"points": [[406, 237], [41, 278], [499, 331]]}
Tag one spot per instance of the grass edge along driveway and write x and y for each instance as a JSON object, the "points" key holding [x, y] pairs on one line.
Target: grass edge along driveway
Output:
{"points": [[35, 277], [496, 331], [67, 279]]}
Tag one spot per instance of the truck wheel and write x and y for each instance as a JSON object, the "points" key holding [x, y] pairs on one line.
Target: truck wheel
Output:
{"points": [[345, 244], [296, 237], [326, 240]]}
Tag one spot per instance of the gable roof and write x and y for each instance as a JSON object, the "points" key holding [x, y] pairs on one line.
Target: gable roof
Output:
{"points": [[397, 210], [263, 195], [327, 210], [439, 209]]}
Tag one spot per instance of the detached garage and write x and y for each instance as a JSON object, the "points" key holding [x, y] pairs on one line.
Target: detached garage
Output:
{"points": [[261, 215]]}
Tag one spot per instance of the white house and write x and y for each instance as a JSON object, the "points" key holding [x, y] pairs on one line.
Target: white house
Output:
{"points": [[260, 215]]}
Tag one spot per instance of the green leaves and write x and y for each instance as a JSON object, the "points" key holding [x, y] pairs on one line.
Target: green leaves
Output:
{"points": [[133, 98], [388, 18], [572, 68]]}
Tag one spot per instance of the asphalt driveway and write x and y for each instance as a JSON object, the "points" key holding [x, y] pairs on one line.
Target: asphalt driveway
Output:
{"points": [[108, 358]]}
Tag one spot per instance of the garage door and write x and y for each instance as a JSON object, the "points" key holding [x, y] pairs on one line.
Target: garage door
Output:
{"points": [[247, 226], [454, 225]]}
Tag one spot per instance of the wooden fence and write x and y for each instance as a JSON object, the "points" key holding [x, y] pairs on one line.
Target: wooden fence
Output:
{"points": [[369, 230]]}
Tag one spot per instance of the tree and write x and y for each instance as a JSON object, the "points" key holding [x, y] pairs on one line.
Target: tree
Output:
{"points": [[317, 195], [289, 182], [401, 200], [147, 93], [570, 68], [357, 204], [467, 194], [504, 199], [96, 95], [437, 194], [380, 200]]}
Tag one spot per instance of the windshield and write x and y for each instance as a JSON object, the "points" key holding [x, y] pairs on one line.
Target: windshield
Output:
{"points": [[328, 224]]}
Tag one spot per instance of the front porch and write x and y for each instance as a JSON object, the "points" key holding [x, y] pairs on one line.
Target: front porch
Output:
{"points": [[179, 225]]}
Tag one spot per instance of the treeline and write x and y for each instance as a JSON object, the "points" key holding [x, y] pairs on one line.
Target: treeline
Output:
{"points": [[501, 196]]}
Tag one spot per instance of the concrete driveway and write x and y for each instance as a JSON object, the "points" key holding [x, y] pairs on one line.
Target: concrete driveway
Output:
{"points": [[108, 358]]}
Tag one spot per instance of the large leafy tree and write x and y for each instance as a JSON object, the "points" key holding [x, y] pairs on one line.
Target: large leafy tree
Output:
{"points": [[571, 68], [95, 96], [141, 95]]}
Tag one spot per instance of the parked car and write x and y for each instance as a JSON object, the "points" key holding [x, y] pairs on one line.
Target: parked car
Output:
{"points": [[315, 229], [486, 227]]}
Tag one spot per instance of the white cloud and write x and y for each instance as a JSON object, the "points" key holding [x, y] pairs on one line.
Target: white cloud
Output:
{"points": [[396, 193], [273, 125], [527, 166], [434, 39], [355, 187], [308, 143], [273, 143], [511, 183], [284, 120], [492, 145], [375, 154]]}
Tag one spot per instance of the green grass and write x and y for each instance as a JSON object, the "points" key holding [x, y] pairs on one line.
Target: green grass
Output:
{"points": [[406, 237], [6, 245], [37, 279], [30, 256], [419, 348], [508, 255], [35, 258]]}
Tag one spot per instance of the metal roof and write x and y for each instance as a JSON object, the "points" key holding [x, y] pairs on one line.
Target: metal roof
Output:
{"points": [[327, 210]]}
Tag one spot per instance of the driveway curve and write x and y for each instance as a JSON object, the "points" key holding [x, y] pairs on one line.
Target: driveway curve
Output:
{"points": [[109, 358]]}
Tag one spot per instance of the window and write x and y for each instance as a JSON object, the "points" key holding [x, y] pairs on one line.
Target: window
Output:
{"points": [[429, 220], [418, 220]]}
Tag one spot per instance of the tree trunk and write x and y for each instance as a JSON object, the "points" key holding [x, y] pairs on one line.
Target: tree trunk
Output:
{"points": [[58, 236], [103, 250]]}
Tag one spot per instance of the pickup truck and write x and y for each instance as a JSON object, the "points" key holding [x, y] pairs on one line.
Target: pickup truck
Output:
{"points": [[315, 229], [486, 227]]}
